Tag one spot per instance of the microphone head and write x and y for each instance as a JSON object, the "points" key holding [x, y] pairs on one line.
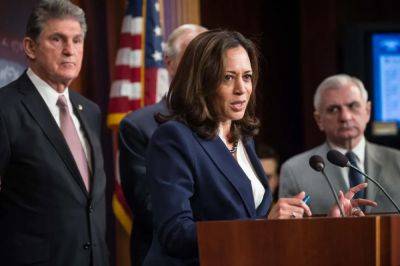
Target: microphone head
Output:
{"points": [[337, 158], [317, 163]]}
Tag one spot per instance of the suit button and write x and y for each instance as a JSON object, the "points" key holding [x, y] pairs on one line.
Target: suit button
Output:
{"points": [[87, 245], [91, 208]]}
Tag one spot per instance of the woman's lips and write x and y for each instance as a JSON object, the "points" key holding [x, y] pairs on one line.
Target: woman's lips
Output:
{"points": [[238, 106]]}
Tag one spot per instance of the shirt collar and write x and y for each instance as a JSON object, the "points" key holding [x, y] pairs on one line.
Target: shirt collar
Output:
{"points": [[49, 95], [221, 135], [358, 150]]}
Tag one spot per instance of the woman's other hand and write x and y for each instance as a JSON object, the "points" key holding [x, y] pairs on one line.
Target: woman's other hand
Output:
{"points": [[349, 205]]}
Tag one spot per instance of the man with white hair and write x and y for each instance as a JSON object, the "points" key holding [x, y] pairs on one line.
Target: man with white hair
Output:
{"points": [[342, 111], [136, 130]]}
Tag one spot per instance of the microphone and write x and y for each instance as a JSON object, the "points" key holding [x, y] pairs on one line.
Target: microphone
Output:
{"points": [[317, 163], [341, 160]]}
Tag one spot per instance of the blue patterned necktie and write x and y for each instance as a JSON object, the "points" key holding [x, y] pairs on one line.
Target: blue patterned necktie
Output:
{"points": [[355, 177]]}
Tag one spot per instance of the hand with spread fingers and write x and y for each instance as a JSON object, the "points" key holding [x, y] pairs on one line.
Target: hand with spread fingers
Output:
{"points": [[290, 208], [349, 205]]}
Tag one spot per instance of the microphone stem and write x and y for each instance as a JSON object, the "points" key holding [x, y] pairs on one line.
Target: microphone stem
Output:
{"points": [[376, 183], [334, 194]]}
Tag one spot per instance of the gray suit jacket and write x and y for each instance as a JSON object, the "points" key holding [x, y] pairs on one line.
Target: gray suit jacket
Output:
{"points": [[382, 163]]}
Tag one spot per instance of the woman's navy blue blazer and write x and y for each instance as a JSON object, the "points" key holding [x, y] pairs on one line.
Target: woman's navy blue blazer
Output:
{"points": [[193, 179]]}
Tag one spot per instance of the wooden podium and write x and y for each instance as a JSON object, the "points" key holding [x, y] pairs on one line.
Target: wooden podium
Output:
{"points": [[370, 240]]}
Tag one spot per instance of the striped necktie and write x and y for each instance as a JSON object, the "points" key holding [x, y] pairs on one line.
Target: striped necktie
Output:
{"points": [[72, 138]]}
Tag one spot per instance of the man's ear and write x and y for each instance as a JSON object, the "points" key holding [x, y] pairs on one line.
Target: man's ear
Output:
{"points": [[317, 117], [167, 63], [29, 48], [368, 109]]}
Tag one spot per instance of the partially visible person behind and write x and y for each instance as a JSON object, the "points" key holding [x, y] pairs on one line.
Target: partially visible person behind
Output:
{"points": [[201, 162], [342, 111], [270, 162], [52, 197], [136, 130]]}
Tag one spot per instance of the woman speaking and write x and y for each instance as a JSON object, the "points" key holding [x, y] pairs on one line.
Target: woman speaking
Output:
{"points": [[201, 161]]}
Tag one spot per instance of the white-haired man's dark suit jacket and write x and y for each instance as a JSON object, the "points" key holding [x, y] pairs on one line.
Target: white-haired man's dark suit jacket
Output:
{"points": [[47, 217], [136, 130], [380, 162]]}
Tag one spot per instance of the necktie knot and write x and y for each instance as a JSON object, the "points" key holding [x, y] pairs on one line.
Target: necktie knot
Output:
{"points": [[352, 157], [62, 102]]}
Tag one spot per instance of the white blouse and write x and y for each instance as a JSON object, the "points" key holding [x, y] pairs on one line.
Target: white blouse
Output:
{"points": [[244, 162]]}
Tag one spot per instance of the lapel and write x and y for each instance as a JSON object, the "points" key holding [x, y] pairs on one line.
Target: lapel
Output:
{"points": [[261, 175], [373, 169], [225, 162], [333, 172], [256, 163], [38, 109]]}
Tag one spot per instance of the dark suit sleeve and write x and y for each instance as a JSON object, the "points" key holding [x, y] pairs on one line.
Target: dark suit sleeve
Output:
{"points": [[4, 146], [133, 145], [171, 171], [99, 123]]}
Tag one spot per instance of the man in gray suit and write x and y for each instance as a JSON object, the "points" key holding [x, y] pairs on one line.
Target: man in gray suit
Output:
{"points": [[342, 111], [136, 130]]}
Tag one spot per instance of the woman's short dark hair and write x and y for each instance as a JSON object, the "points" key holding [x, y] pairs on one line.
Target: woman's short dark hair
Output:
{"points": [[191, 98]]}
